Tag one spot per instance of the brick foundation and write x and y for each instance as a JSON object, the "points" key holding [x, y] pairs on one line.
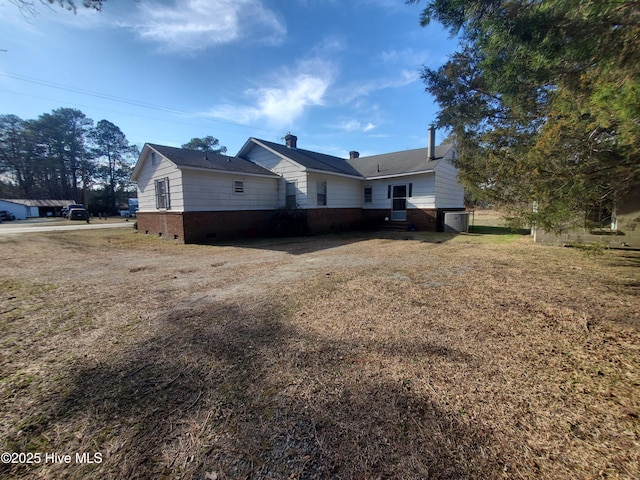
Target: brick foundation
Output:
{"points": [[327, 220], [210, 226], [424, 220], [164, 224], [205, 227]]}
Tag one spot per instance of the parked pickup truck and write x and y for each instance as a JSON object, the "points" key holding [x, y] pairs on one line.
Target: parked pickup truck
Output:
{"points": [[65, 210]]}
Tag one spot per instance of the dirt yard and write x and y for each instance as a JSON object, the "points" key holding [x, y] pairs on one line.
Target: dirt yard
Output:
{"points": [[364, 356]]}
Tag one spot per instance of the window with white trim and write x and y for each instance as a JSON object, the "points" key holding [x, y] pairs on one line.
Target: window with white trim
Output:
{"points": [[163, 201], [238, 187], [368, 194], [322, 193]]}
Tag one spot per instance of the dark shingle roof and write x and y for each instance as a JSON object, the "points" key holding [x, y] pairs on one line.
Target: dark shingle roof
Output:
{"points": [[313, 160], [398, 163], [183, 157]]}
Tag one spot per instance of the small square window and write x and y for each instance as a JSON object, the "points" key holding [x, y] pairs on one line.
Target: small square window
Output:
{"points": [[238, 186]]}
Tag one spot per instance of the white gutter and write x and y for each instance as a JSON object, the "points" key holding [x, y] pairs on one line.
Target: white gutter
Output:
{"points": [[380, 177]]}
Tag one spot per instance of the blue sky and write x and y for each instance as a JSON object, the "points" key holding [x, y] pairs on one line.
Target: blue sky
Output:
{"points": [[341, 75]]}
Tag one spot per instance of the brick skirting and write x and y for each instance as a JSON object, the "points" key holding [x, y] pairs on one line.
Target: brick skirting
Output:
{"points": [[206, 227]]}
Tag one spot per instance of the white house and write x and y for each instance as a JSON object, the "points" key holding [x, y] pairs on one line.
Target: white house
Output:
{"points": [[191, 197]]}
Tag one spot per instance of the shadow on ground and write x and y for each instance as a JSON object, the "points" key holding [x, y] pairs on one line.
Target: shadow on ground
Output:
{"points": [[229, 391], [487, 230], [310, 244]]}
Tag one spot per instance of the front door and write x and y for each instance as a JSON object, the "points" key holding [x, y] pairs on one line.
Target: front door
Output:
{"points": [[399, 203]]}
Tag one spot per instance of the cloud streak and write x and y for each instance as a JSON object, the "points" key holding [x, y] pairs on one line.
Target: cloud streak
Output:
{"points": [[195, 25], [285, 100]]}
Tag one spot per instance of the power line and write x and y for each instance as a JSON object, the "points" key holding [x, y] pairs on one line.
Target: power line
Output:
{"points": [[114, 98]]}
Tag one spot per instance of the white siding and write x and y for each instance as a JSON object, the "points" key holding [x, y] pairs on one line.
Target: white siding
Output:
{"points": [[146, 186], [422, 195], [449, 191], [342, 192], [213, 191], [288, 170], [378, 194]]}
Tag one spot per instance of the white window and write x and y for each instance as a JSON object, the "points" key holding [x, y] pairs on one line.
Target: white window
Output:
{"points": [[322, 193], [162, 194], [368, 194], [238, 187]]}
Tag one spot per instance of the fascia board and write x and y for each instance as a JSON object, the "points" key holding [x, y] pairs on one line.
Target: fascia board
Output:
{"points": [[381, 177]]}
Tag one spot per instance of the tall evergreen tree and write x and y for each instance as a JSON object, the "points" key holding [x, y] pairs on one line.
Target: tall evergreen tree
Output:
{"points": [[114, 156], [205, 144], [544, 99], [62, 134]]}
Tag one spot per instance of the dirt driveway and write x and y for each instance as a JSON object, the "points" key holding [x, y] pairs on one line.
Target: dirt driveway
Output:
{"points": [[364, 356]]}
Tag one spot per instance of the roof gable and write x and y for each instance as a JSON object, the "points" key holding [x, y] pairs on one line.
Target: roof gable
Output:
{"points": [[186, 158], [405, 162], [307, 159]]}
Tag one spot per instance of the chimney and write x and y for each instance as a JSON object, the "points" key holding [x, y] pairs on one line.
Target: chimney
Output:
{"points": [[291, 140], [431, 149], [353, 154]]}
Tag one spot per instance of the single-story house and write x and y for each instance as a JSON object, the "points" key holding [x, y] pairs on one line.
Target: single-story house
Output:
{"points": [[191, 196], [23, 209]]}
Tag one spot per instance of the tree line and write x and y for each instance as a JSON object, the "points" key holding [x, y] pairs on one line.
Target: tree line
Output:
{"points": [[543, 98], [63, 155]]}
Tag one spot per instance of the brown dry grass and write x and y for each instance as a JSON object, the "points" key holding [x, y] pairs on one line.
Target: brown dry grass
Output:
{"points": [[410, 356]]}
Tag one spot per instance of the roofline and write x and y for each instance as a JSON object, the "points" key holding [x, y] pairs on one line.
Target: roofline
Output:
{"points": [[324, 172], [138, 166], [229, 172], [136, 170], [284, 157], [302, 167], [396, 175]]}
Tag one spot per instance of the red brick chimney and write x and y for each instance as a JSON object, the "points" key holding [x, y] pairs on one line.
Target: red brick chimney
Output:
{"points": [[291, 140]]}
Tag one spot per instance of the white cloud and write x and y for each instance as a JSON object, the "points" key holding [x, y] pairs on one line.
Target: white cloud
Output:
{"points": [[287, 99], [408, 57], [193, 25], [363, 89], [356, 126]]}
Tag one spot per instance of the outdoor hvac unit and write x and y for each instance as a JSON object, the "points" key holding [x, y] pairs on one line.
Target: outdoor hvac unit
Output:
{"points": [[456, 222]]}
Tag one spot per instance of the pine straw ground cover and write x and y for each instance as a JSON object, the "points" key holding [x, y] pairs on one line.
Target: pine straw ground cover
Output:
{"points": [[414, 356]]}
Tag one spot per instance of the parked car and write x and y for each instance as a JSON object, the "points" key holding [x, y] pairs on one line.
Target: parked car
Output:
{"points": [[78, 214], [65, 210], [5, 216]]}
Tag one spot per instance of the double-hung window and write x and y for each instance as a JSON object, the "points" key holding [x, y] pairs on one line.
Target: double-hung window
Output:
{"points": [[163, 200], [322, 193], [368, 194]]}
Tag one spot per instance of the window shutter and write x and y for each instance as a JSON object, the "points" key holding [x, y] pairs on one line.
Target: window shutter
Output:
{"points": [[156, 183], [388, 191], [411, 190], [167, 202]]}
